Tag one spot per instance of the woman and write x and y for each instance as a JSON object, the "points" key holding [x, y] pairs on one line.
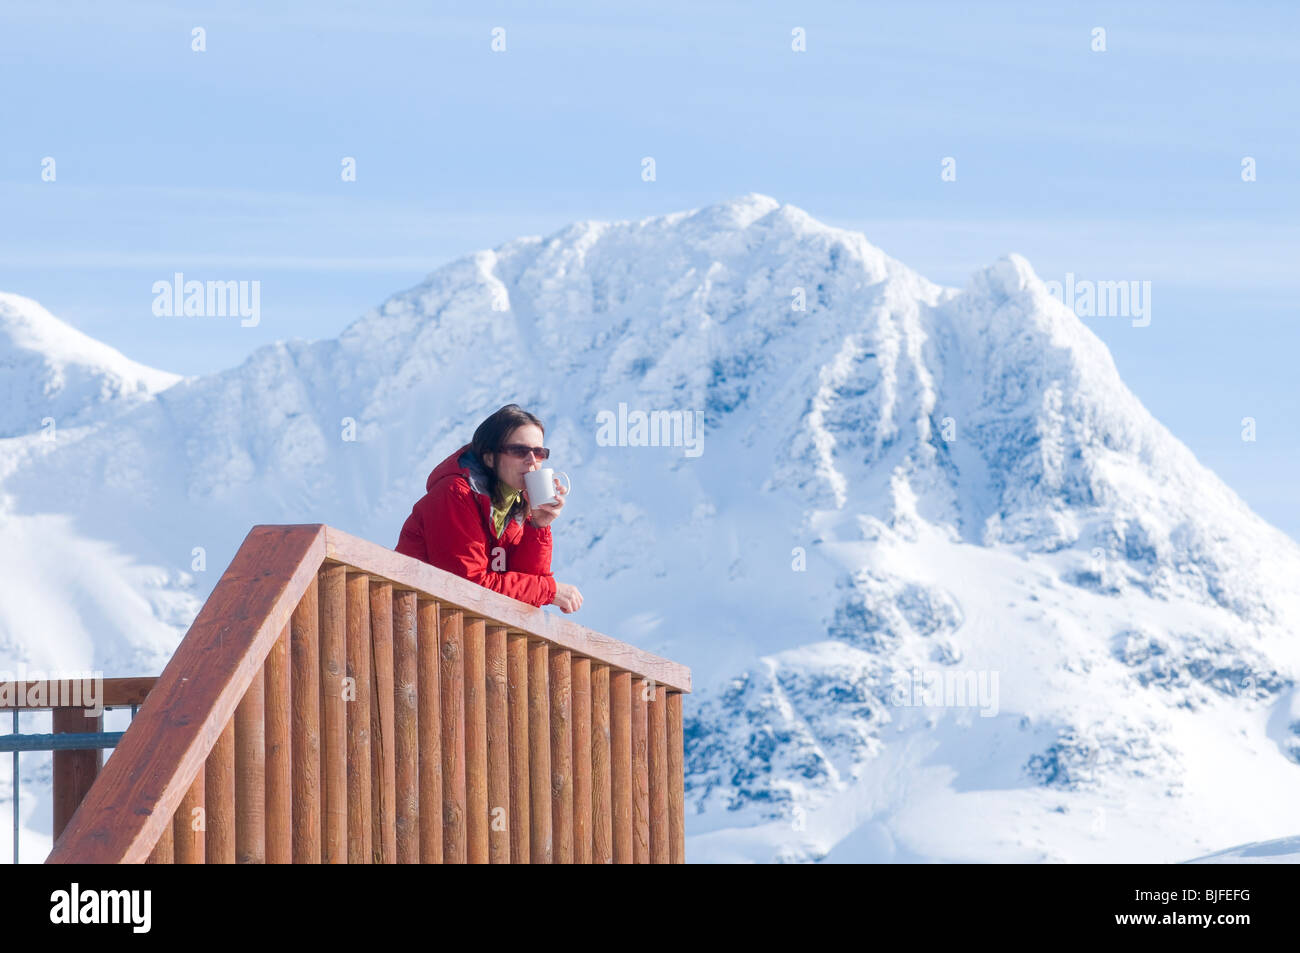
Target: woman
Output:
{"points": [[476, 520]]}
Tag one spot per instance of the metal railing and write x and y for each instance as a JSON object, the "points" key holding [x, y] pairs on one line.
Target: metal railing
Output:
{"points": [[71, 778]]}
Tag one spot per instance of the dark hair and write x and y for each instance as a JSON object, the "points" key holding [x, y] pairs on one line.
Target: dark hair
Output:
{"points": [[492, 432]]}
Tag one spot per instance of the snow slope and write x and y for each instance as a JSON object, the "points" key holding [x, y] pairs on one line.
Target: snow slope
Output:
{"points": [[1283, 850], [899, 482]]}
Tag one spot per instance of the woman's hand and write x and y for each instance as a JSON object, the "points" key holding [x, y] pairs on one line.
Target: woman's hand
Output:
{"points": [[567, 597], [544, 514]]}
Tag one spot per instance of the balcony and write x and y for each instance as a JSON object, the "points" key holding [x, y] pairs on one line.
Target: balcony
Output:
{"points": [[336, 702]]}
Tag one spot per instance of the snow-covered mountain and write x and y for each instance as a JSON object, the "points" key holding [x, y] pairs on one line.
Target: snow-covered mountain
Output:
{"points": [[51, 371], [898, 484]]}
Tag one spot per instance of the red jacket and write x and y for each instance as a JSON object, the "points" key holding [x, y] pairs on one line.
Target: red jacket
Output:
{"points": [[451, 527]]}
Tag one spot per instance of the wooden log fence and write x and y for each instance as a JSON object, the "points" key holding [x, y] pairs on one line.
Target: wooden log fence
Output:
{"points": [[336, 702]]}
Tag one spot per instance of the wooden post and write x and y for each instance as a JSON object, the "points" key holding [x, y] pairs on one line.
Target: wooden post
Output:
{"points": [[74, 771], [561, 675], [430, 721], [360, 847], [582, 760], [277, 700], [383, 741], [250, 774], [620, 757], [452, 672], [676, 782], [657, 731], [476, 791], [498, 746], [219, 791], [539, 752], [163, 851], [334, 728], [405, 725], [188, 825], [640, 775], [517, 678], [602, 832], [304, 747]]}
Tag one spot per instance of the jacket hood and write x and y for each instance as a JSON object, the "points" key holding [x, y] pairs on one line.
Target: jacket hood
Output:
{"points": [[464, 462]]}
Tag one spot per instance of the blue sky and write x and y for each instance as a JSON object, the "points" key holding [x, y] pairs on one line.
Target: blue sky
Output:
{"points": [[1123, 164]]}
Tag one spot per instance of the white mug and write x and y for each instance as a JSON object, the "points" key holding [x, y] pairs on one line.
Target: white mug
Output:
{"points": [[541, 485]]}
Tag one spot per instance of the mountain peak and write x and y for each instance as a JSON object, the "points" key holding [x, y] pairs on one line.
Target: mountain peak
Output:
{"points": [[1007, 277], [740, 212], [50, 369]]}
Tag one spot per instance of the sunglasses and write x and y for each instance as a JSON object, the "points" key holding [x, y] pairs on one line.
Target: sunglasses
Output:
{"points": [[520, 451]]}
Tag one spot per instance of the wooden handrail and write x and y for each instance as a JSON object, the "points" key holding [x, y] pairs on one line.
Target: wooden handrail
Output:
{"points": [[44, 694], [279, 615], [142, 784]]}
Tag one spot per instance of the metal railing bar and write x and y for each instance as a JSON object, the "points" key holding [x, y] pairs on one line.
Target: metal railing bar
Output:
{"points": [[15, 791], [65, 741]]}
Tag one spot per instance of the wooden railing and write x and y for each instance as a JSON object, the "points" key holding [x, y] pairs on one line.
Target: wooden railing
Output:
{"points": [[336, 702]]}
